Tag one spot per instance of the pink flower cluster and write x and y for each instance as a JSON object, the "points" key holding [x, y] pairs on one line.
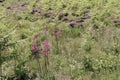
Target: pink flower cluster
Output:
{"points": [[35, 48], [45, 48]]}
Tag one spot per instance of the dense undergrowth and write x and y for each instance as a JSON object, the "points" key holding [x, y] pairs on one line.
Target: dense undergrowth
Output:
{"points": [[59, 40]]}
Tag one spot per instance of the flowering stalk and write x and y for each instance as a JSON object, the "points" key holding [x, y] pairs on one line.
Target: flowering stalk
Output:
{"points": [[57, 34], [45, 51], [46, 48], [35, 51]]}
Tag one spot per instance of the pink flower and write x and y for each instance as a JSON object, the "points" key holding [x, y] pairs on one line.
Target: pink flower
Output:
{"points": [[35, 48], [46, 48]]}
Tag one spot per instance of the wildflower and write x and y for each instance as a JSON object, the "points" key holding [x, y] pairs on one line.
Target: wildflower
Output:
{"points": [[46, 48], [35, 48]]}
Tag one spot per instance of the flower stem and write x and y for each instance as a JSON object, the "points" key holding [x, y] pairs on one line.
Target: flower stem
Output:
{"points": [[46, 67], [57, 46], [39, 68]]}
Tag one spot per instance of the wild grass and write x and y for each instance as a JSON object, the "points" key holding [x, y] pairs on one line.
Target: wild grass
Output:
{"points": [[84, 38]]}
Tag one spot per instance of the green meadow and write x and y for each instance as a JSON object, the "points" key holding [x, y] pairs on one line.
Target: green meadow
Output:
{"points": [[59, 40]]}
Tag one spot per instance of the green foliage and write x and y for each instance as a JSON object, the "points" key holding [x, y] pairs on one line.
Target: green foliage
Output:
{"points": [[88, 43]]}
